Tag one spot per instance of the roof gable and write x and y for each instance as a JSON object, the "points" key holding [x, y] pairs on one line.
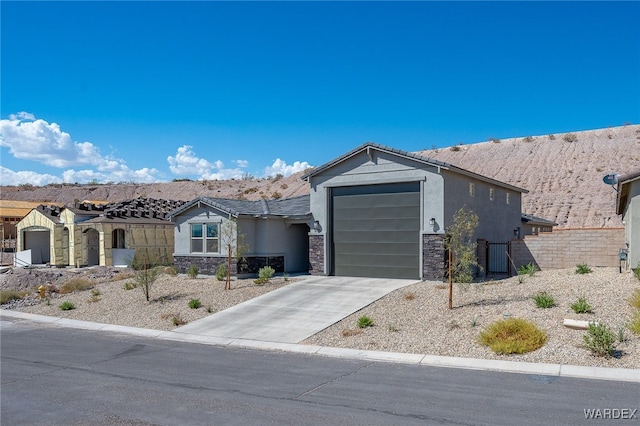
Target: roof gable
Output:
{"points": [[624, 189], [367, 147]]}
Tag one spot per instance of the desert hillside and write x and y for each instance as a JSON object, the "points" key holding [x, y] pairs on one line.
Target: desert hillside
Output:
{"points": [[249, 189], [562, 172]]}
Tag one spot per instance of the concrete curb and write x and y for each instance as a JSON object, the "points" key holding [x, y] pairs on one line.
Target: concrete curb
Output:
{"points": [[573, 371]]}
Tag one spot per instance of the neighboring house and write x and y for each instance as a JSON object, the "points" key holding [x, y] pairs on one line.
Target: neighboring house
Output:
{"points": [[12, 212], [88, 235], [275, 233], [628, 205], [382, 212], [533, 225]]}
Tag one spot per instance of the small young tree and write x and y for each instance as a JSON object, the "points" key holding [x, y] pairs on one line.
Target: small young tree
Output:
{"points": [[235, 242], [461, 248], [146, 272]]}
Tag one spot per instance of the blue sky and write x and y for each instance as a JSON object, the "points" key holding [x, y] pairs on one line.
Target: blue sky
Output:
{"points": [[152, 91]]}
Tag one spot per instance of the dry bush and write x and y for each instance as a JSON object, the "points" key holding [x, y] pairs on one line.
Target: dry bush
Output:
{"points": [[76, 284], [347, 332], [409, 296]]}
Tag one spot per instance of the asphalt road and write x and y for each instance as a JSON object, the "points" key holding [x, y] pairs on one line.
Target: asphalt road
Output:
{"points": [[61, 376]]}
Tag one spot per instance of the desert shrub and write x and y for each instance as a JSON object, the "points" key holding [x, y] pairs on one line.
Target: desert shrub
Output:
{"points": [[600, 340], [528, 269], [95, 292], [177, 320], [194, 303], [364, 322], [9, 295], [636, 271], [76, 284], [570, 137], [495, 140], [129, 285], [581, 306], [409, 296], [67, 306], [192, 272], [544, 300], [455, 148], [513, 336], [221, 272], [264, 275], [583, 268], [528, 139], [635, 299], [276, 195], [349, 332], [552, 137], [634, 324], [171, 271]]}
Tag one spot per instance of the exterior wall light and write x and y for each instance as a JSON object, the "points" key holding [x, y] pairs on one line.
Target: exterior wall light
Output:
{"points": [[516, 232], [432, 222], [316, 226]]}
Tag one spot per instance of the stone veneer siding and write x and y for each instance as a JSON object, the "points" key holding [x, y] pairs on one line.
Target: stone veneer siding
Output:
{"points": [[433, 256], [316, 254], [206, 265]]}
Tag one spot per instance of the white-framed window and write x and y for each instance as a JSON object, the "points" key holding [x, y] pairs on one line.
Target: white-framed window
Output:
{"points": [[204, 238], [491, 194], [472, 189], [508, 198], [117, 239]]}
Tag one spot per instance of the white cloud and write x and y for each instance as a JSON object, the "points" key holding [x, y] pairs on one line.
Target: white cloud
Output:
{"points": [[33, 139], [241, 163], [280, 167], [186, 162], [10, 177]]}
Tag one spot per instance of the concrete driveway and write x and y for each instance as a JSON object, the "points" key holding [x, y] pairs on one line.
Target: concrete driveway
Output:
{"points": [[297, 311]]}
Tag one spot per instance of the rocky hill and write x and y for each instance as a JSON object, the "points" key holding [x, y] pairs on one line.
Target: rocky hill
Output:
{"points": [[562, 172]]}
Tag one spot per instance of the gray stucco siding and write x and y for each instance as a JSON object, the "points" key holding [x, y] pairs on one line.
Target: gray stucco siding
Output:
{"points": [[631, 219], [182, 230], [497, 219]]}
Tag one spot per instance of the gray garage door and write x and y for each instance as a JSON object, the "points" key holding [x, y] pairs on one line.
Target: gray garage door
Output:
{"points": [[376, 231]]}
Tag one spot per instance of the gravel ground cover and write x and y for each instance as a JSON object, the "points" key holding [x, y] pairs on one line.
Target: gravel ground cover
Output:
{"points": [[414, 319]]}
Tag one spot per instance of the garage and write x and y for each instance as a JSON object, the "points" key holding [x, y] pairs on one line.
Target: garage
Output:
{"points": [[37, 239], [375, 230]]}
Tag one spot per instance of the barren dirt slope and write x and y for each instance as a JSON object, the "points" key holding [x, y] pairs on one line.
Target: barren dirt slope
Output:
{"points": [[185, 190], [564, 179]]}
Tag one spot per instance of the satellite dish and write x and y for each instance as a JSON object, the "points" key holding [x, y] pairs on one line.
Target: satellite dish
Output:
{"points": [[611, 179]]}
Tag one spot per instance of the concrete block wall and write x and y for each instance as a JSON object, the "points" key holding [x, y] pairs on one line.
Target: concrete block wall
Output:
{"points": [[565, 248]]}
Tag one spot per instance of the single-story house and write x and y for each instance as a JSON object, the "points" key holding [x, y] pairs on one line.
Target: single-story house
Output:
{"points": [[533, 225], [88, 234], [382, 212], [273, 232], [628, 205]]}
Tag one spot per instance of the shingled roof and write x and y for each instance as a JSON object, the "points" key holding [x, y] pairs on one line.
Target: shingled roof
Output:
{"points": [[287, 207]]}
